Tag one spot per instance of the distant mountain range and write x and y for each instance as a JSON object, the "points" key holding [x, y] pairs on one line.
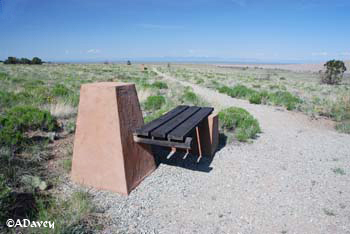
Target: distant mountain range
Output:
{"points": [[211, 60]]}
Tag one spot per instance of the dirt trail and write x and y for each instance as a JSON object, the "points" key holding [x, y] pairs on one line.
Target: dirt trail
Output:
{"points": [[284, 182]]}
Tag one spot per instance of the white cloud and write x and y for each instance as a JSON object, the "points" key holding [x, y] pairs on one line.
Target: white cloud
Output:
{"points": [[319, 54], [93, 51], [158, 26]]}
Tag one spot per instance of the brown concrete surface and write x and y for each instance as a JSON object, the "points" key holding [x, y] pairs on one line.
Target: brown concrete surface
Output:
{"points": [[105, 155]]}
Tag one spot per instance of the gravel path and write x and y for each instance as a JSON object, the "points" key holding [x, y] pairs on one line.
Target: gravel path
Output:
{"points": [[281, 183]]}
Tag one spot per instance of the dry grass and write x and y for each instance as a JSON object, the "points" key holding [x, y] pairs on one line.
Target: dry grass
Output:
{"points": [[62, 110]]}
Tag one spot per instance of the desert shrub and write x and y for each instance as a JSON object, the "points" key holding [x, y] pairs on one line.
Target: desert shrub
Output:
{"points": [[160, 85], [239, 91], [255, 98], [72, 215], [60, 90], [4, 198], [225, 89], [7, 99], [63, 92], [259, 97], [199, 81], [154, 102], [334, 72], [239, 120], [190, 97], [284, 98], [340, 110], [343, 126], [3, 76], [18, 120]]}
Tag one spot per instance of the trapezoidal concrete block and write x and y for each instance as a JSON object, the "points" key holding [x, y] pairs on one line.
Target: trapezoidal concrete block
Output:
{"points": [[105, 155]]}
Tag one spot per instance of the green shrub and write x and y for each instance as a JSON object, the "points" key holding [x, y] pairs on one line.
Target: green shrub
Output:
{"points": [[225, 89], [60, 90], [343, 126], [7, 100], [70, 215], [160, 85], [4, 198], [18, 120], [3, 76], [259, 97], [154, 102], [190, 97], [239, 91], [199, 81], [255, 98], [242, 91], [238, 119], [284, 98]]}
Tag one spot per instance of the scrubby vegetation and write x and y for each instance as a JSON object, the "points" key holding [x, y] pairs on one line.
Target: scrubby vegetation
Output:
{"points": [[38, 106], [279, 98], [244, 125], [301, 91], [154, 102], [18, 120]]}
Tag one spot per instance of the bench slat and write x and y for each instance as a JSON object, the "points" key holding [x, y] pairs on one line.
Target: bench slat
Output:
{"points": [[147, 128], [163, 130], [181, 145], [181, 131]]}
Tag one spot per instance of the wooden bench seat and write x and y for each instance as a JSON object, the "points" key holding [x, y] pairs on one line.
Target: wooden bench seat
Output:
{"points": [[174, 128]]}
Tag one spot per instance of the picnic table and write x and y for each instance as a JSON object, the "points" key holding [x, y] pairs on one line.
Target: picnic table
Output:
{"points": [[175, 128]]}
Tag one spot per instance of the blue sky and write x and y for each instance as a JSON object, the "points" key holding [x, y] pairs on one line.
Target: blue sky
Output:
{"points": [[96, 30]]}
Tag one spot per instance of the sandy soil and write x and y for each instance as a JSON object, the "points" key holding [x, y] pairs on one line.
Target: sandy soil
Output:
{"points": [[292, 67]]}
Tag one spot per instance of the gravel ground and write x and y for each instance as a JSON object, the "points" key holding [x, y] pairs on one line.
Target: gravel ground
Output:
{"points": [[283, 182]]}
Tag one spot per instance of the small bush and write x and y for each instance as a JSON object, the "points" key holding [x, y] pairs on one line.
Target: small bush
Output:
{"points": [[343, 127], [190, 98], [60, 90], [7, 100], [4, 198], [154, 102], [160, 85], [18, 120], [255, 98], [199, 81], [238, 119], [239, 91], [259, 97], [284, 98], [225, 89]]}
